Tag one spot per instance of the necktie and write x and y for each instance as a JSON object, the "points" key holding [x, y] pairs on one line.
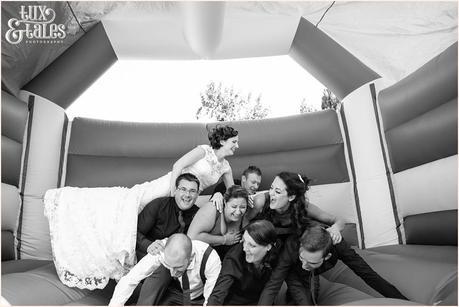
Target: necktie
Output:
{"points": [[181, 222], [186, 290], [314, 287]]}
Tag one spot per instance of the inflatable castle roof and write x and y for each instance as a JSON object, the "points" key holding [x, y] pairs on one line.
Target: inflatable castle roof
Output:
{"points": [[391, 38]]}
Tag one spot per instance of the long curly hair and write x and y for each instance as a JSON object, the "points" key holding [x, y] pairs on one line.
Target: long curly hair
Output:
{"points": [[297, 186], [221, 133]]}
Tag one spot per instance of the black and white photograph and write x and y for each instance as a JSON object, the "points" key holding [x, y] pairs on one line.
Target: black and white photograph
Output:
{"points": [[224, 153]]}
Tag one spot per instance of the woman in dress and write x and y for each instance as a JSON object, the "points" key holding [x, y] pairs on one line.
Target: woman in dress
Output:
{"points": [[93, 230], [247, 267], [206, 162], [221, 230]]}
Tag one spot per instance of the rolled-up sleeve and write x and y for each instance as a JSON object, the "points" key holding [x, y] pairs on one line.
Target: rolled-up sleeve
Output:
{"points": [[127, 283]]}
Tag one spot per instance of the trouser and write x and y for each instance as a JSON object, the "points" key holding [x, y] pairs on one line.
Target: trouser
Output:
{"points": [[330, 293], [154, 287], [333, 293], [173, 296]]}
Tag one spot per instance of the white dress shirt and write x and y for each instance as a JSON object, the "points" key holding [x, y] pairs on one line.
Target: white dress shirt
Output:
{"points": [[148, 264]]}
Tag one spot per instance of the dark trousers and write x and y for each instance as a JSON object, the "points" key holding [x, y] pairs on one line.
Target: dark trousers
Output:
{"points": [[173, 296], [154, 287], [330, 293], [333, 293]]}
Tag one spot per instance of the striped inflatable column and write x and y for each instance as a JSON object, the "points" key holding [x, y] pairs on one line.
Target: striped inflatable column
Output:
{"points": [[14, 119], [48, 94], [378, 208], [39, 173], [346, 76], [419, 114]]}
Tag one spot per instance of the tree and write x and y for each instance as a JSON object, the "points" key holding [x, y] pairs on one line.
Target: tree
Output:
{"points": [[329, 100], [225, 104], [306, 107]]}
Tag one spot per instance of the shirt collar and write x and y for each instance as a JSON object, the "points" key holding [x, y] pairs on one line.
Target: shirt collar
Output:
{"points": [[193, 260]]}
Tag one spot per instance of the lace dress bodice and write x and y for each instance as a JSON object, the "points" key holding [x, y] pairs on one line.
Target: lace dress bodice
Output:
{"points": [[208, 169]]}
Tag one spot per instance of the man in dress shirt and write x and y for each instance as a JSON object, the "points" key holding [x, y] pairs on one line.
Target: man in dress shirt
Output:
{"points": [[183, 258], [250, 180], [165, 216], [313, 255], [161, 218]]}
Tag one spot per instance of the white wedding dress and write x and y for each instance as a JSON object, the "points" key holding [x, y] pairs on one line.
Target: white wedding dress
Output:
{"points": [[93, 230]]}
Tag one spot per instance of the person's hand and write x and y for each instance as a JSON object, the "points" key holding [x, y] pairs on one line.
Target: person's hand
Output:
{"points": [[335, 234], [155, 247], [232, 238], [217, 200]]}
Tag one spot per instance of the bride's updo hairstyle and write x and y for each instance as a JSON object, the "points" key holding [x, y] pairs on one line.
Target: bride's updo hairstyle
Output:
{"points": [[221, 133]]}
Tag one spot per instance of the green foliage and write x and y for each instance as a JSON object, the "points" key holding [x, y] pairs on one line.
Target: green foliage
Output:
{"points": [[225, 104], [329, 100], [306, 107]]}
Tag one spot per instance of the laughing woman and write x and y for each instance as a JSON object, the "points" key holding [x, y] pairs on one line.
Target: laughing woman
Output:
{"points": [[221, 230], [247, 267], [287, 207]]}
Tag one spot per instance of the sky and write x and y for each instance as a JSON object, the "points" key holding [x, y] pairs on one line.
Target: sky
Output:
{"points": [[168, 91]]}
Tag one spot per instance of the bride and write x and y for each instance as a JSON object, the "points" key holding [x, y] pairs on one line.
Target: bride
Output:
{"points": [[93, 230]]}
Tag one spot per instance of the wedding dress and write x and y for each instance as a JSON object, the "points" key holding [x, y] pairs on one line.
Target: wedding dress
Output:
{"points": [[93, 230]]}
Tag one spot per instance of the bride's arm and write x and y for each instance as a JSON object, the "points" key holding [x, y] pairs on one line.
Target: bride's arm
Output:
{"points": [[186, 160], [228, 178]]}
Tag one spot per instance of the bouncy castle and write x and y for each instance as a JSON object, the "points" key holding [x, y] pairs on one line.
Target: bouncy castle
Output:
{"points": [[386, 161]]}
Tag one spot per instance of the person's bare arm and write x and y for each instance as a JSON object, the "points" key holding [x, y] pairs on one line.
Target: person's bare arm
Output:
{"points": [[336, 225], [202, 224]]}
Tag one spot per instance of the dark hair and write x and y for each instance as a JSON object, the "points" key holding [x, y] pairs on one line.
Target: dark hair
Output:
{"points": [[252, 169], [236, 191], [263, 233], [221, 133], [316, 238], [297, 185], [187, 177]]}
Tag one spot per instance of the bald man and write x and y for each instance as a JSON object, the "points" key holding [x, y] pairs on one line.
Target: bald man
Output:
{"points": [[183, 258]]}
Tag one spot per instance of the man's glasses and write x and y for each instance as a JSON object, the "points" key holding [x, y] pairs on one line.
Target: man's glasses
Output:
{"points": [[184, 191]]}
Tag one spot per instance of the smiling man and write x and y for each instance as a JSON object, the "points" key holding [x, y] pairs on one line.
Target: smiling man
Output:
{"points": [[250, 180], [194, 265], [161, 218], [165, 216]]}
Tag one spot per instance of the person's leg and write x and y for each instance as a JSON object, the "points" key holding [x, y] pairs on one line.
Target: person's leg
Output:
{"points": [[134, 296], [173, 295], [199, 301], [154, 287], [333, 293]]}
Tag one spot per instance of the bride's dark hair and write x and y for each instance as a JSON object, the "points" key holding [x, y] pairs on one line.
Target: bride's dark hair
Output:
{"points": [[221, 133]]}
